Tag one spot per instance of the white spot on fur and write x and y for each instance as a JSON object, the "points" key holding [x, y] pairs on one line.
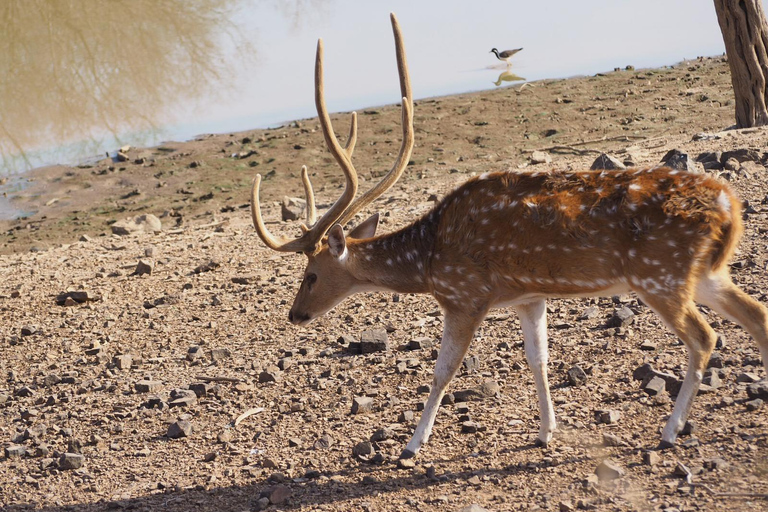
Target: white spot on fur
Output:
{"points": [[723, 202]]}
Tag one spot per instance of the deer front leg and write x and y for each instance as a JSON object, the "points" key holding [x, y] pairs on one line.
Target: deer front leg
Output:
{"points": [[533, 320], [458, 331]]}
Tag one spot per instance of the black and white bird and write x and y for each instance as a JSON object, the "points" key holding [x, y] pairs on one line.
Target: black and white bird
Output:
{"points": [[505, 55]]}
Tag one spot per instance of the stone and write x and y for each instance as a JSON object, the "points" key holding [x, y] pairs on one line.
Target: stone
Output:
{"points": [[200, 389], [382, 434], [271, 374], [144, 267], [654, 386], [609, 470], [420, 343], [225, 436], [608, 417], [747, 377], [406, 463], [590, 313], [566, 506], [576, 376], [712, 379], [28, 330], [279, 494], [470, 427], [758, 390], [15, 450], [474, 508], [622, 317], [471, 364], [648, 346], [123, 361], [178, 429], [680, 161], [641, 371], [362, 405], [220, 354], [405, 417], [611, 440], [607, 162], [540, 157], [147, 223], [671, 383], [261, 504], [753, 405], [71, 461], [148, 386], [374, 340], [651, 458], [741, 155], [292, 208], [363, 449]]}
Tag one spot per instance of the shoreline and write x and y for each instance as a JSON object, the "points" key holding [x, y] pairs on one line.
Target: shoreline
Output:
{"points": [[211, 173]]}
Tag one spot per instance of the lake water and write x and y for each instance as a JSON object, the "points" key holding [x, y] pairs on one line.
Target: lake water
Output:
{"points": [[79, 78]]}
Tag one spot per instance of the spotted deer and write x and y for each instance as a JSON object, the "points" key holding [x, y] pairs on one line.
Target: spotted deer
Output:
{"points": [[514, 239]]}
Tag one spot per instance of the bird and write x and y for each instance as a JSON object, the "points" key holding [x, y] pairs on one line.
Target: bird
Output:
{"points": [[505, 55]]}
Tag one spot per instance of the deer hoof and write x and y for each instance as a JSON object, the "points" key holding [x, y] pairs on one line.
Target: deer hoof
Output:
{"points": [[542, 444], [407, 454]]}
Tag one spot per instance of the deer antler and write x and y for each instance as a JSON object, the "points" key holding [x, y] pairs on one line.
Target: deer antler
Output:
{"points": [[341, 210]]}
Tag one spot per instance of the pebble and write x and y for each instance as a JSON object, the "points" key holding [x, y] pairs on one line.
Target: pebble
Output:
{"points": [[362, 405], [71, 461], [576, 376], [148, 386], [747, 377], [123, 362], [374, 340], [406, 463], [271, 374], [15, 450], [144, 267], [178, 429], [474, 508], [609, 470], [540, 157], [754, 404], [608, 417], [220, 354], [225, 436], [608, 162], [363, 449], [758, 390], [651, 458], [623, 317]]}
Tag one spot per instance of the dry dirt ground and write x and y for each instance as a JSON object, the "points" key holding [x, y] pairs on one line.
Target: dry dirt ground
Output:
{"points": [[204, 337]]}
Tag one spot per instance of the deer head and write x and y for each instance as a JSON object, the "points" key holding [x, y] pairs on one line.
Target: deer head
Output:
{"points": [[327, 280]]}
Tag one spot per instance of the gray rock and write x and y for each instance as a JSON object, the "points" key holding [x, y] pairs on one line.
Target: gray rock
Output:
{"points": [[144, 267], [178, 429], [758, 390], [374, 340], [382, 434], [271, 374], [292, 208], [608, 417], [540, 157], [471, 364], [15, 450], [712, 379], [147, 223], [641, 371], [279, 494], [609, 470], [148, 386], [220, 354], [71, 461], [622, 317], [651, 458], [754, 404], [576, 376], [680, 161], [363, 449], [362, 405], [123, 361], [654, 386], [607, 162], [747, 377], [741, 155], [474, 508]]}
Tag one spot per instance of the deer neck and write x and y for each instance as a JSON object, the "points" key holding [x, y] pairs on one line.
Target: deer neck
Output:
{"points": [[396, 261]]}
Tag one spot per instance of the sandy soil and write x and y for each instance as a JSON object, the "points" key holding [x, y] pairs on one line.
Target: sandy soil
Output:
{"points": [[107, 377]]}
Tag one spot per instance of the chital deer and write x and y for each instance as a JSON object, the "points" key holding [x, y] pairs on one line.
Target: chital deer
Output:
{"points": [[514, 239]]}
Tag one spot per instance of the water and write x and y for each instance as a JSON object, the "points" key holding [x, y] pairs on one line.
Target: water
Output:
{"points": [[81, 78]]}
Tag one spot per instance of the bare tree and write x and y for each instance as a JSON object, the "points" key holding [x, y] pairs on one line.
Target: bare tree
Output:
{"points": [[745, 32]]}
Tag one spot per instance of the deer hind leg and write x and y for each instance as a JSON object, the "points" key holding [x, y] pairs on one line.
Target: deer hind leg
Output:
{"points": [[686, 321], [457, 334], [533, 320], [718, 292]]}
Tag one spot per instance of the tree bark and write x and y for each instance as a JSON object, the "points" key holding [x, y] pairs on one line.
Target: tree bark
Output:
{"points": [[745, 33]]}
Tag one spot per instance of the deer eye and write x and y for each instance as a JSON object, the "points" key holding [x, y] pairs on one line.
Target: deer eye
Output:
{"points": [[310, 279]]}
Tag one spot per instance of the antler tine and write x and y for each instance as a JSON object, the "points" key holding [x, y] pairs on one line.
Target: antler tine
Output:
{"points": [[352, 139], [341, 155], [276, 243], [408, 135], [309, 193]]}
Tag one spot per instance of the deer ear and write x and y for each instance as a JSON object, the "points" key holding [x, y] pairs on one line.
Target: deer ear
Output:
{"points": [[337, 244], [367, 228]]}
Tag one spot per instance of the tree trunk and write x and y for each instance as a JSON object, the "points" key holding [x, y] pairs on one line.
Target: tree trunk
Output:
{"points": [[745, 33]]}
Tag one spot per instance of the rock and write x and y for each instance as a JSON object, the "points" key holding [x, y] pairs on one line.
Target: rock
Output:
{"points": [[72, 298], [622, 317], [71, 461], [470, 427], [712, 379], [405, 417], [474, 508], [489, 388], [611, 440], [15, 450], [406, 463], [540, 157], [178, 429], [362, 405], [651, 458], [609, 470], [147, 223], [24, 392], [123, 362], [747, 377], [648, 346], [261, 504], [323, 443], [566, 506], [28, 330], [420, 343], [292, 208], [363, 449], [754, 404], [576, 376], [148, 386], [374, 340], [225, 436], [220, 354], [731, 164], [740, 155], [207, 267], [279, 494], [144, 267], [654, 386], [271, 374], [382, 434], [471, 364], [608, 417], [641, 371], [758, 390], [182, 398], [200, 388], [607, 162], [590, 313], [671, 383], [680, 161]]}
